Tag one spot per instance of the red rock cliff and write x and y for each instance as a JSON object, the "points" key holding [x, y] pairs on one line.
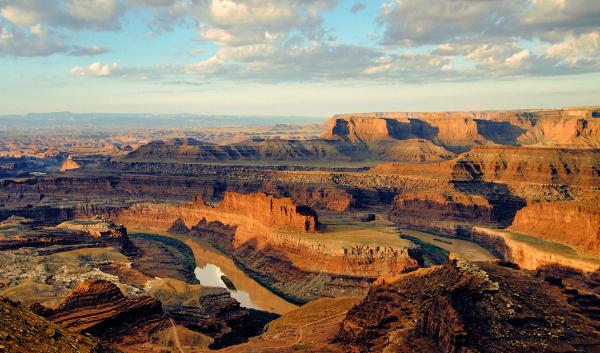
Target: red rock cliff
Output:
{"points": [[565, 222], [271, 211]]}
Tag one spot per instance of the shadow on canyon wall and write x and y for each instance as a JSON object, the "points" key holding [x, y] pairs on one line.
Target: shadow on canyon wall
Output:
{"points": [[505, 204]]}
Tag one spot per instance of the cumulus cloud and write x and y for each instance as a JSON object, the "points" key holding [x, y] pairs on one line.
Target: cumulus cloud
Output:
{"points": [[70, 14], [284, 40], [257, 21], [418, 22], [94, 70]]}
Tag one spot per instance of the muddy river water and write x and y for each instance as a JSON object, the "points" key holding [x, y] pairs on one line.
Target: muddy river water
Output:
{"points": [[211, 265]]}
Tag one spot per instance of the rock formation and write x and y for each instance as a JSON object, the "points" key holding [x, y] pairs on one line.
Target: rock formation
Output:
{"points": [[98, 307], [271, 211], [69, 164], [96, 227], [461, 307]]}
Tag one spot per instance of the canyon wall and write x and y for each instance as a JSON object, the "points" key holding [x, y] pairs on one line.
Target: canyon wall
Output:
{"points": [[423, 208], [529, 256], [169, 182], [276, 242], [565, 222], [510, 164]]}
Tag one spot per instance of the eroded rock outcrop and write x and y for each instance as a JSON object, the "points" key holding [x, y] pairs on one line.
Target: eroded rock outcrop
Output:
{"points": [[97, 227], [271, 211], [69, 164], [461, 307], [99, 307]]}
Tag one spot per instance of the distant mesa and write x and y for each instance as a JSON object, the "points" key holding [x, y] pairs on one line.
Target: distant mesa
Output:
{"points": [[398, 137]]}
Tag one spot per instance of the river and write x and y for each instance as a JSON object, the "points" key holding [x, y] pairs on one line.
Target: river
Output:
{"points": [[211, 265]]}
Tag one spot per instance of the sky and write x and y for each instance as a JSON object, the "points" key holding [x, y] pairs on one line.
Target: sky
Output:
{"points": [[297, 57]]}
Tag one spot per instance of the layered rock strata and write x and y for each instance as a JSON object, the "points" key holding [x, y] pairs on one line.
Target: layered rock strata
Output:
{"points": [[98, 307], [421, 209]]}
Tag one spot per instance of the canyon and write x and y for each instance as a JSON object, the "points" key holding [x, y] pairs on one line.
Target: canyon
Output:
{"points": [[426, 232]]}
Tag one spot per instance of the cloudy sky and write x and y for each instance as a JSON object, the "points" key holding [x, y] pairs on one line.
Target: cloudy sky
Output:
{"points": [[297, 57]]}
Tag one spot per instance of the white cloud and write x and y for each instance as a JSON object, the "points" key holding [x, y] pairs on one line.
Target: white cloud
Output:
{"points": [[94, 70], [415, 22], [93, 10], [574, 50]]}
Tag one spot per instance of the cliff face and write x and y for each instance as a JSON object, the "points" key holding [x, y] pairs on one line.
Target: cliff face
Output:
{"points": [[564, 222], [526, 255], [511, 164], [460, 307], [252, 212], [167, 181], [534, 165], [421, 208], [271, 211], [564, 127]]}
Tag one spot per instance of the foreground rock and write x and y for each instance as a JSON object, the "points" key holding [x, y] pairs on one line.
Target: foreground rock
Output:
{"points": [[22, 331], [461, 307]]}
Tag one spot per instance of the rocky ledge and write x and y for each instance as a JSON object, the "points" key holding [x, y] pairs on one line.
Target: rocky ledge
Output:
{"points": [[97, 227], [459, 307]]}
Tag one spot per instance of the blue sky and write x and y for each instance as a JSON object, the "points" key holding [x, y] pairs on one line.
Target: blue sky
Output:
{"points": [[297, 57]]}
